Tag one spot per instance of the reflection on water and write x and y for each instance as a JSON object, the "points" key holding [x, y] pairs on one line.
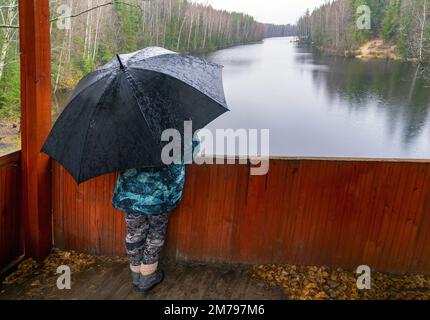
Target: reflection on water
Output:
{"points": [[317, 105], [399, 91]]}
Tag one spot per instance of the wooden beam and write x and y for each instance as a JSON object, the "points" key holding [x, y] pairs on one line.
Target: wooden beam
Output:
{"points": [[35, 125]]}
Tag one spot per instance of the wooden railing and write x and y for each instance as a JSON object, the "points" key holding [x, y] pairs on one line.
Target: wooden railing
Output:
{"points": [[310, 212], [11, 244], [25, 180]]}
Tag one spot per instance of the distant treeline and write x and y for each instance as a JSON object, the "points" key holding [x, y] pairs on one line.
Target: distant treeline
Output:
{"points": [[404, 23], [99, 29], [287, 30], [125, 26]]}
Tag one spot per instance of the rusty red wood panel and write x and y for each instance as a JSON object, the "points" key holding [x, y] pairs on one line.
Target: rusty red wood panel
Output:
{"points": [[35, 62], [11, 245], [310, 212]]}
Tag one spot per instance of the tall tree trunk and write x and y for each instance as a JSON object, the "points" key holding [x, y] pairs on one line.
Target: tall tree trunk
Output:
{"points": [[60, 61], [156, 23], [423, 26], [96, 36], [180, 32], [191, 30], [196, 33], [164, 24], [9, 33], [86, 32], [70, 32], [205, 34]]}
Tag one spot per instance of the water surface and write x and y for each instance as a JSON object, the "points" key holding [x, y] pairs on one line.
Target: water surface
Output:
{"points": [[323, 106], [318, 105]]}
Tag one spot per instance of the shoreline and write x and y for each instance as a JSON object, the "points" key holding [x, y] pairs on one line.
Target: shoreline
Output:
{"points": [[375, 49], [9, 126]]}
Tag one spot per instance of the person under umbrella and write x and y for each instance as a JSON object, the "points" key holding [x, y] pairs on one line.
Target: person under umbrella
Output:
{"points": [[148, 196], [114, 122]]}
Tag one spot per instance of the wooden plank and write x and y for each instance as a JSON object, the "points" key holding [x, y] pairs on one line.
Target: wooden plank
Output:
{"points": [[10, 159], [107, 280], [341, 213], [35, 125], [11, 244]]}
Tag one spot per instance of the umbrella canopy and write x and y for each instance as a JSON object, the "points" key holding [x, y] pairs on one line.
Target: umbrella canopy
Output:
{"points": [[116, 114]]}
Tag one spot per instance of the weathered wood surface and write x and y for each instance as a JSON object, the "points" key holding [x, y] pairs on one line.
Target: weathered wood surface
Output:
{"points": [[111, 280], [310, 212], [11, 245], [35, 61]]}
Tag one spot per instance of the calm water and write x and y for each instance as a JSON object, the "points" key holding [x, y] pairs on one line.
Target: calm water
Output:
{"points": [[316, 105]]}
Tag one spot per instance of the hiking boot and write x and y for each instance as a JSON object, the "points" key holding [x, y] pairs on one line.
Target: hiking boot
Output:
{"points": [[147, 283], [135, 277]]}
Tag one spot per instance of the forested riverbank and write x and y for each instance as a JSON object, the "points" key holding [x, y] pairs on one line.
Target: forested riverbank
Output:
{"points": [[401, 28], [130, 25], [88, 33], [99, 29]]}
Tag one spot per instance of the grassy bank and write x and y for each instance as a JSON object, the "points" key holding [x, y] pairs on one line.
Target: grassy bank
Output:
{"points": [[375, 49]]}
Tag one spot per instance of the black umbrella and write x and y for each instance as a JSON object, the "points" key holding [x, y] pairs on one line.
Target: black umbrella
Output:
{"points": [[116, 115]]}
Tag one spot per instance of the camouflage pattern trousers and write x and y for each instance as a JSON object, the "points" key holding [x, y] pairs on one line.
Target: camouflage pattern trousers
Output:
{"points": [[145, 236]]}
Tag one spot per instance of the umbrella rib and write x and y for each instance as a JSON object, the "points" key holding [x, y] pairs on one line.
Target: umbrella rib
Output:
{"points": [[68, 103], [92, 114], [76, 94], [133, 84], [146, 68]]}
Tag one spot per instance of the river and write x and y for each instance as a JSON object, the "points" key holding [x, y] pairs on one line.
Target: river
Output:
{"points": [[319, 105], [323, 106]]}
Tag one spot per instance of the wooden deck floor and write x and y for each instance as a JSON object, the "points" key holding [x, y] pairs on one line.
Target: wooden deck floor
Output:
{"points": [[110, 280]]}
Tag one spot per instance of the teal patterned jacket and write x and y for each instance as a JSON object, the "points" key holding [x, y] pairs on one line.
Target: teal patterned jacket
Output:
{"points": [[150, 190]]}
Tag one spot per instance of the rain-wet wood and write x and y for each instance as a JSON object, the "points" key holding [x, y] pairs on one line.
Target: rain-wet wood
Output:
{"points": [[307, 212], [35, 71]]}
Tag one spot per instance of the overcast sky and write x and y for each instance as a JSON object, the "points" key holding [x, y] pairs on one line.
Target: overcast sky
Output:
{"points": [[269, 11]]}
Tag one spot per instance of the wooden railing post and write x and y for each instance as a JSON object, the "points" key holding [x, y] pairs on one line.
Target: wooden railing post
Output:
{"points": [[35, 125]]}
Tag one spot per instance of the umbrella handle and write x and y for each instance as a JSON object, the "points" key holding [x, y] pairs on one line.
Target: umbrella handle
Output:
{"points": [[120, 62]]}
